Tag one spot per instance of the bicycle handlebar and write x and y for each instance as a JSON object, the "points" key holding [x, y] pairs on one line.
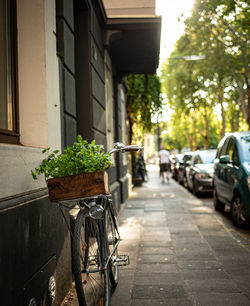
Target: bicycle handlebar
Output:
{"points": [[120, 147]]}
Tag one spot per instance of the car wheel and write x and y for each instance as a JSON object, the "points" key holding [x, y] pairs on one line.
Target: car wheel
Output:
{"points": [[185, 184], [195, 189], [238, 212], [218, 205]]}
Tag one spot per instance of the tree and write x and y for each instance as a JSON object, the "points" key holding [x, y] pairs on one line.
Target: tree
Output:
{"points": [[222, 30], [143, 102], [218, 30]]}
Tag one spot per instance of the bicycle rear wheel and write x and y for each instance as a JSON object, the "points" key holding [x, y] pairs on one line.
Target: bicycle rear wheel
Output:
{"points": [[91, 281], [112, 238]]}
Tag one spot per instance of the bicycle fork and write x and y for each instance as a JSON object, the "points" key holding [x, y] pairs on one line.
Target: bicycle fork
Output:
{"points": [[96, 211]]}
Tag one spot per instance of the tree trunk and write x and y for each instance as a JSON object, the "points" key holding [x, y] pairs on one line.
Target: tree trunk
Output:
{"points": [[235, 122], [248, 97], [190, 142], [242, 99], [195, 133], [221, 92], [206, 130]]}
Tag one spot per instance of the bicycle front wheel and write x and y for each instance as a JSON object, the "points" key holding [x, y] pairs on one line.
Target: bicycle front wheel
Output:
{"points": [[113, 239], [91, 279]]}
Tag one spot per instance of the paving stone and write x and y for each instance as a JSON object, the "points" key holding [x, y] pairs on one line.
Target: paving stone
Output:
{"points": [[211, 285], [122, 295], [185, 235], [220, 299], [169, 258], [135, 206], [200, 264], [155, 250], [156, 233], [237, 268], [195, 254], [204, 274], [161, 240], [161, 302], [145, 243], [241, 257], [216, 240], [243, 282], [182, 228], [158, 292], [131, 215], [187, 247], [156, 268], [207, 226], [169, 278], [154, 229]]}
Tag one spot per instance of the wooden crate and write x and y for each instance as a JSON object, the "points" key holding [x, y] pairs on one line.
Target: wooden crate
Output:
{"points": [[78, 186]]}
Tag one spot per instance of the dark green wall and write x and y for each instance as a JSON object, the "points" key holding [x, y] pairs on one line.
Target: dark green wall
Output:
{"points": [[34, 238]]}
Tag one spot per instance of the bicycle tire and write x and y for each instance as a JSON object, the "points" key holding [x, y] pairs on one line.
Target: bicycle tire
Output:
{"points": [[112, 238], [87, 256]]}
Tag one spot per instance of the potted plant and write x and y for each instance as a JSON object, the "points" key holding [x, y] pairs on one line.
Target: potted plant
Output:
{"points": [[77, 173]]}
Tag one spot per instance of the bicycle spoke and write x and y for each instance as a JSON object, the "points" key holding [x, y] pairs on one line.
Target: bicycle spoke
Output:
{"points": [[91, 281]]}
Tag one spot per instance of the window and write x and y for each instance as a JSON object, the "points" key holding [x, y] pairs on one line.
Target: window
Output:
{"points": [[235, 155], [245, 145], [230, 149], [223, 148], [8, 101], [196, 160]]}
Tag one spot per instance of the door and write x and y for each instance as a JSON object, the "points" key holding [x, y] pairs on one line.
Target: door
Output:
{"points": [[229, 170], [232, 169], [219, 174], [191, 172]]}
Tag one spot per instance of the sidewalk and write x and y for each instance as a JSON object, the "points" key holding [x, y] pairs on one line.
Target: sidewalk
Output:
{"points": [[181, 253]]}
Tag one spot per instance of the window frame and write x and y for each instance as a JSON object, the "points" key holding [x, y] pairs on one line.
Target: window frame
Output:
{"points": [[236, 157], [7, 136]]}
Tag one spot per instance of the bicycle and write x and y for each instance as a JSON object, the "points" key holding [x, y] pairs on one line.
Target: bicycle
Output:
{"points": [[140, 170], [96, 237]]}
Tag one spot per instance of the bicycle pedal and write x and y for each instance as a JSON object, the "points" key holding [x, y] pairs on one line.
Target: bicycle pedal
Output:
{"points": [[122, 260]]}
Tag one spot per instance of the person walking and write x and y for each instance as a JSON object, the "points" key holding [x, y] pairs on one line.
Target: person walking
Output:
{"points": [[164, 164]]}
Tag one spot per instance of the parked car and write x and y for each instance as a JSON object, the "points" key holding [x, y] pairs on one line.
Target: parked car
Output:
{"points": [[177, 160], [232, 176], [199, 173], [182, 167]]}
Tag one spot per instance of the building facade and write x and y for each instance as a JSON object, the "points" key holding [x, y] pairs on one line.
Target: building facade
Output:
{"points": [[63, 66]]}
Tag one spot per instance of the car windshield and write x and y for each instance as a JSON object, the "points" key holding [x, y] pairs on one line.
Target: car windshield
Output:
{"points": [[245, 140], [208, 157]]}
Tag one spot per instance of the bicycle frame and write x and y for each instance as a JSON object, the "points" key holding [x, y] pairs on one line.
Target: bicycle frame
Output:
{"points": [[96, 210]]}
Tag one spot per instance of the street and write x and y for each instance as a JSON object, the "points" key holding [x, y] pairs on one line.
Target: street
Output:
{"points": [[225, 217], [182, 252]]}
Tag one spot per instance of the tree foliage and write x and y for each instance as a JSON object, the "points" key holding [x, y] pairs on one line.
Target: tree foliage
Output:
{"points": [[219, 31], [143, 102]]}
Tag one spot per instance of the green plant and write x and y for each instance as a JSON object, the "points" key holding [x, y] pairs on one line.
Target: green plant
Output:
{"points": [[82, 157]]}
